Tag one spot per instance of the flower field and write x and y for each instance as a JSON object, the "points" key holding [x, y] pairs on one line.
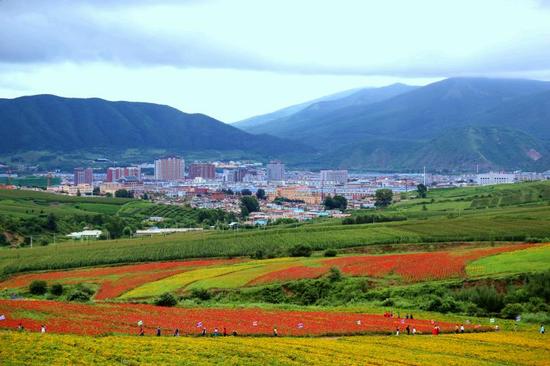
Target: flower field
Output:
{"points": [[123, 319], [114, 281], [501, 348], [410, 267]]}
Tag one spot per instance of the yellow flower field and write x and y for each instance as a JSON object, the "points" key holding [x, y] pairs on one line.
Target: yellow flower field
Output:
{"points": [[504, 348]]}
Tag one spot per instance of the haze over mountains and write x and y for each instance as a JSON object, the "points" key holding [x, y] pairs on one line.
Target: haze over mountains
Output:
{"points": [[456, 123]]}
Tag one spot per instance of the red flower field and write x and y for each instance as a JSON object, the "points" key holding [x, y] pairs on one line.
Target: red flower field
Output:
{"points": [[114, 281], [123, 318], [410, 267]]}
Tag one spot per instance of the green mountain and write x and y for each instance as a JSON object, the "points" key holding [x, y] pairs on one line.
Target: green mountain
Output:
{"points": [[456, 123], [302, 116], [52, 123]]}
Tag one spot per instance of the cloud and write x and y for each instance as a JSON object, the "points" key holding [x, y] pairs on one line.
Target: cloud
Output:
{"points": [[427, 39]]}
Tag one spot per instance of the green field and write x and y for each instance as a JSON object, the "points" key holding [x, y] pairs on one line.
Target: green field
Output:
{"points": [[527, 260]]}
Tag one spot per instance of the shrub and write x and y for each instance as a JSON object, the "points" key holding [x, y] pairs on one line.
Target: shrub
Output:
{"points": [[300, 250], [166, 299], [330, 253], [201, 294], [79, 295], [510, 311], [56, 289], [38, 287], [388, 302], [334, 274]]}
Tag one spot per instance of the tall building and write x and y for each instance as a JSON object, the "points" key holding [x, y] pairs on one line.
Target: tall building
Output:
{"points": [[116, 173], [334, 176], [234, 175], [203, 170], [170, 168], [275, 171], [83, 176]]}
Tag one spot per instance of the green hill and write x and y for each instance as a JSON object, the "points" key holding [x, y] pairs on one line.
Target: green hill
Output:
{"points": [[51, 123]]}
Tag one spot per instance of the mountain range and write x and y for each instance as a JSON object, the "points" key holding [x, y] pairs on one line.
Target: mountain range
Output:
{"points": [[453, 124], [457, 123], [52, 123]]}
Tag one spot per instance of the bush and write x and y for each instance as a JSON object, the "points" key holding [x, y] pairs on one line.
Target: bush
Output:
{"points": [[300, 250], [330, 253], [79, 295], [201, 294], [56, 289], [510, 311], [334, 274], [166, 299], [388, 302], [38, 287]]}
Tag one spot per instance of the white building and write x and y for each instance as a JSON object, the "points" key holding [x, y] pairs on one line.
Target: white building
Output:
{"points": [[494, 178], [334, 176], [85, 234]]}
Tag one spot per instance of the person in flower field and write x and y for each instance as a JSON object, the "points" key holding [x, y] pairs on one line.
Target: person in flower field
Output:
{"points": [[42, 329], [177, 332], [275, 332], [158, 331], [203, 332], [224, 331]]}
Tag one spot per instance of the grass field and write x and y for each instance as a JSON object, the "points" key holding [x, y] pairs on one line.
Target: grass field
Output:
{"points": [[505, 348], [527, 260]]}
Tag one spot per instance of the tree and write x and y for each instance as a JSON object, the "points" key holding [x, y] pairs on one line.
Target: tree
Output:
{"points": [[123, 193], [249, 204], [383, 197], [166, 299], [56, 289], [115, 226], [260, 194], [38, 287], [51, 222], [335, 203], [246, 192], [96, 191], [78, 193], [3, 240], [127, 231], [422, 190], [300, 250]]}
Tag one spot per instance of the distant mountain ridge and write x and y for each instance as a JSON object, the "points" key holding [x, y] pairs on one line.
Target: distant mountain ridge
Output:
{"points": [[48, 122], [436, 125]]}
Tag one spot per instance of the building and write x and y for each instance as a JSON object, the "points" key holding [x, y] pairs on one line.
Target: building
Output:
{"points": [[275, 171], [116, 173], [234, 175], [334, 176], [297, 193], [169, 168], [202, 170], [83, 176], [494, 178], [85, 234]]}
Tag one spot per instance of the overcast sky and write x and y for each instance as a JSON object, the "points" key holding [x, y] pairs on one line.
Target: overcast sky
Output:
{"points": [[234, 59]]}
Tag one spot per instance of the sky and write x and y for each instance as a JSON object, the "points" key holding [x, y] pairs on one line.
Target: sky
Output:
{"points": [[239, 58]]}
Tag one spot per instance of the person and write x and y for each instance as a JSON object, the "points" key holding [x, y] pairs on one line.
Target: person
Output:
{"points": [[216, 333], [158, 331], [42, 328], [457, 329], [397, 331], [542, 329], [408, 329], [497, 328], [141, 332], [20, 327], [234, 333], [275, 332], [203, 332], [224, 331], [461, 328], [177, 332], [414, 331], [411, 317]]}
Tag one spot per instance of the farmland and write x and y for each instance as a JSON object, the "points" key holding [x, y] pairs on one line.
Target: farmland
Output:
{"points": [[504, 348]]}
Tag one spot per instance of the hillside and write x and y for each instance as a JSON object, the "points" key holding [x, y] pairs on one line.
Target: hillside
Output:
{"points": [[52, 123], [311, 112], [452, 124]]}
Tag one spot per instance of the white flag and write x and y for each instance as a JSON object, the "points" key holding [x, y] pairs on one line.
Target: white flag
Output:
{"points": [[2, 317], [199, 325], [359, 322], [140, 323], [255, 323]]}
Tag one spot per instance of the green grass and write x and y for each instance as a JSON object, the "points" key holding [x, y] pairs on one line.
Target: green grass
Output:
{"points": [[31, 181], [527, 260]]}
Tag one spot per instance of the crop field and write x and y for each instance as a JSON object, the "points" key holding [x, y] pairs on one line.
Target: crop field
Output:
{"points": [[479, 349], [149, 280], [123, 319], [528, 260], [113, 281]]}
